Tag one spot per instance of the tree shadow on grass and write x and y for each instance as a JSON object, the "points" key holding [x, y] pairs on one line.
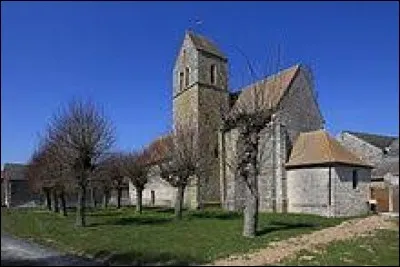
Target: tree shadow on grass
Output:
{"points": [[114, 212], [215, 215], [133, 221], [63, 260], [136, 258], [279, 226]]}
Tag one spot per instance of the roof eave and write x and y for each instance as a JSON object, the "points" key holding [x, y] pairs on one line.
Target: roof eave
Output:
{"points": [[326, 164]]}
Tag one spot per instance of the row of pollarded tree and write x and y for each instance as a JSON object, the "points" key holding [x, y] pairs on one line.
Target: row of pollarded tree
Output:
{"points": [[76, 152]]}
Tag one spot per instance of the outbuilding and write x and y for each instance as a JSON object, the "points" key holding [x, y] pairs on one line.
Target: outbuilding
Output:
{"points": [[324, 178]]}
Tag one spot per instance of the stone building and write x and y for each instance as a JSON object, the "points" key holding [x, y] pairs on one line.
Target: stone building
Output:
{"points": [[291, 93], [201, 97], [373, 148], [383, 153], [325, 178], [16, 187], [16, 191]]}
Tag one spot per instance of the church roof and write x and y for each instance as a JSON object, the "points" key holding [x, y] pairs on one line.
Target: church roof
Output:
{"points": [[380, 141], [267, 92], [319, 148], [158, 148], [203, 44]]}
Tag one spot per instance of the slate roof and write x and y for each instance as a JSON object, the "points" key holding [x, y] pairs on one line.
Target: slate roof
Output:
{"points": [[14, 171], [319, 148], [267, 92], [394, 148], [203, 44], [380, 141]]}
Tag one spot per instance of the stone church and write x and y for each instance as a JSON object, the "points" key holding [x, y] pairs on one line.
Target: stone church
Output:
{"points": [[201, 94]]}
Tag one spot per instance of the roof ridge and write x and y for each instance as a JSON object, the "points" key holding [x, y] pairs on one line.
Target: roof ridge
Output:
{"points": [[371, 134], [269, 77], [330, 143]]}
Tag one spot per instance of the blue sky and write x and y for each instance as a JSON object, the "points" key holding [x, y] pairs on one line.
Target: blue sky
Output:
{"points": [[121, 55]]}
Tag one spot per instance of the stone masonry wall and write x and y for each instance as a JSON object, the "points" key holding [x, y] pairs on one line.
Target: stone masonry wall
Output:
{"points": [[200, 104], [299, 113], [348, 201], [364, 150], [307, 190], [228, 176], [164, 193]]}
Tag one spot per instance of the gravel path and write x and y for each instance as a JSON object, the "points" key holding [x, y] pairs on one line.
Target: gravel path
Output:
{"points": [[277, 251], [16, 252]]}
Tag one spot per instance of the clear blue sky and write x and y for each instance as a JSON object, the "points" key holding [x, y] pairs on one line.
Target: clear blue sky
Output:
{"points": [[121, 55]]}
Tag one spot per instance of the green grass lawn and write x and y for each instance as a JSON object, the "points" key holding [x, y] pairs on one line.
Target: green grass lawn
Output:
{"points": [[155, 236], [380, 249]]}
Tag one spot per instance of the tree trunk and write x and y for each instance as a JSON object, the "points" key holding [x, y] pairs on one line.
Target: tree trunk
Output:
{"points": [[94, 197], [55, 201], [139, 193], [179, 202], [200, 194], [48, 198], [250, 213], [119, 195], [80, 209], [106, 196], [248, 149], [63, 204]]}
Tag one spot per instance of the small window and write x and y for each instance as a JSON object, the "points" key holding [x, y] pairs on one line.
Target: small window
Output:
{"points": [[186, 76], [181, 81], [216, 151], [184, 56], [213, 74], [355, 179], [153, 197]]}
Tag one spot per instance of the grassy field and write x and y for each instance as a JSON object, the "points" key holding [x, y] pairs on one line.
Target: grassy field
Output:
{"points": [[381, 249], [127, 237]]}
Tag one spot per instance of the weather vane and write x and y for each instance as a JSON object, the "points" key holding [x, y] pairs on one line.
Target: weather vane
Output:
{"points": [[195, 23]]}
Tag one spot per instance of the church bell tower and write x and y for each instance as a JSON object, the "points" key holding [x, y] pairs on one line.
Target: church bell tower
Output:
{"points": [[200, 93]]}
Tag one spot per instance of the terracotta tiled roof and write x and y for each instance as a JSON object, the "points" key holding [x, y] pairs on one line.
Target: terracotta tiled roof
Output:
{"points": [[158, 148], [202, 43], [318, 147], [268, 92]]}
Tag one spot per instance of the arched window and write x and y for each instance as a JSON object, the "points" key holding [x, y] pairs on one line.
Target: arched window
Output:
{"points": [[180, 81], [186, 76], [213, 74]]}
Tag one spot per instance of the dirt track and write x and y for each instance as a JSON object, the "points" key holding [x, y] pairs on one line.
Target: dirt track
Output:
{"points": [[277, 251]]}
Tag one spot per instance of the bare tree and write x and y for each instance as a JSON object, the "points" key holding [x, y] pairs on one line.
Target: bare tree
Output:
{"points": [[252, 113], [181, 161], [135, 166], [82, 135], [114, 162], [46, 170], [101, 179], [36, 179]]}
